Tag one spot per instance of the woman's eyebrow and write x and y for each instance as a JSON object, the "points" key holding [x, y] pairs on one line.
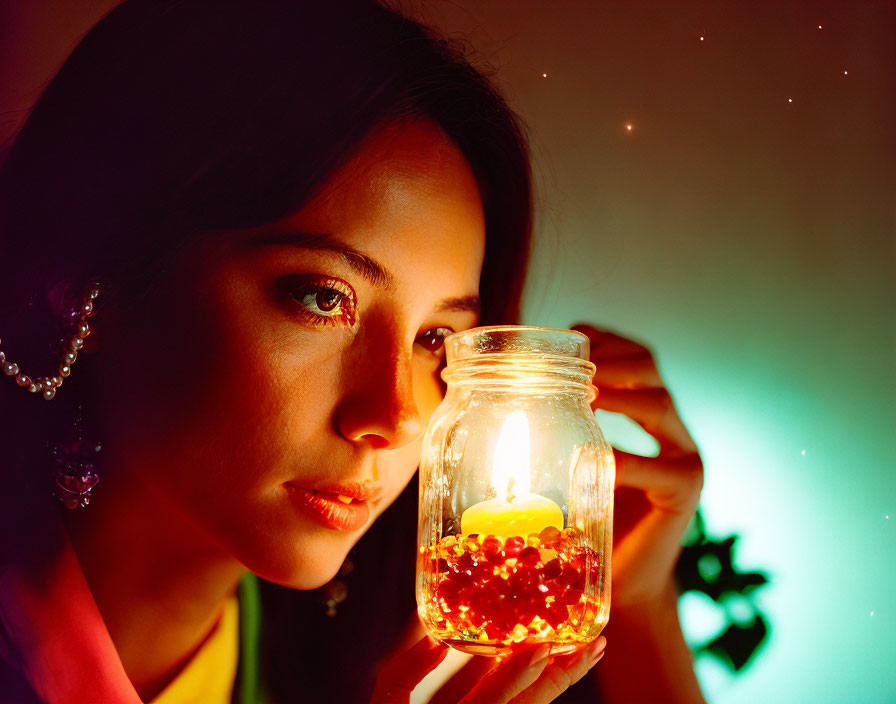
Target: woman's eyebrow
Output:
{"points": [[369, 268], [464, 304], [364, 265]]}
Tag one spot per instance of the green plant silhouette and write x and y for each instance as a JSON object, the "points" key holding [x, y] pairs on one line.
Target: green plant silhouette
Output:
{"points": [[707, 566]]}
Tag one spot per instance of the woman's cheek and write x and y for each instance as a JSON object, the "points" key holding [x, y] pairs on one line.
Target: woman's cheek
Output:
{"points": [[428, 389]]}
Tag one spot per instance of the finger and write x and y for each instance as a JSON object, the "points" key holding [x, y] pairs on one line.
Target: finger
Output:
{"points": [[672, 488], [605, 344], [670, 483], [510, 678], [399, 676], [561, 674], [628, 373], [654, 411]]}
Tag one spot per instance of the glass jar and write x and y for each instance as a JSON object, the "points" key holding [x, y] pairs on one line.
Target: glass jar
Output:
{"points": [[516, 496]]}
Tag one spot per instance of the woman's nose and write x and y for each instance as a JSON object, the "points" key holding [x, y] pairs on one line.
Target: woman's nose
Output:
{"points": [[380, 408]]}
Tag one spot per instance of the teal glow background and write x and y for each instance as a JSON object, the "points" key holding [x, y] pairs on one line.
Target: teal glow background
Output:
{"points": [[750, 242]]}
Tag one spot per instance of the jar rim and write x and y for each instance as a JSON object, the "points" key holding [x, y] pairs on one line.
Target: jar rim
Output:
{"points": [[516, 340]]}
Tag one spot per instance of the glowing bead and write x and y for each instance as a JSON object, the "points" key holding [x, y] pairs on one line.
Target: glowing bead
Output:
{"points": [[471, 544]]}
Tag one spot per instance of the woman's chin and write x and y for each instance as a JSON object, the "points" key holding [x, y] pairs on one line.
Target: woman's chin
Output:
{"points": [[302, 569], [301, 578]]}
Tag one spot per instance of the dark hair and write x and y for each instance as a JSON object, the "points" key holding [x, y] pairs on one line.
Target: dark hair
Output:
{"points": [[175, 117]]}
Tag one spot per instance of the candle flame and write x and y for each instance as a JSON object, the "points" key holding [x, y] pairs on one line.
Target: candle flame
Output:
{"points": [[510, 471]]}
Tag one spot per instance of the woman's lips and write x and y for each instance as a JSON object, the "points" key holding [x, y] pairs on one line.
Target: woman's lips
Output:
{"points": [[332, 510]]}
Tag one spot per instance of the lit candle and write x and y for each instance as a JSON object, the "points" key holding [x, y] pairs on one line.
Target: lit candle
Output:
{"points": [[515, 510]]}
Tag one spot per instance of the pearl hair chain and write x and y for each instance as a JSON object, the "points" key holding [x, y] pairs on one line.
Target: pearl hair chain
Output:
{"points": [[47, 385]]}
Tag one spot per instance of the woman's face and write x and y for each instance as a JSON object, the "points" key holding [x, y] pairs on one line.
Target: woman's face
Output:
{"points": [[280, 367]]}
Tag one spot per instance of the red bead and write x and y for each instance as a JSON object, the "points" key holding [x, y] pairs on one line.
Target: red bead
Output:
{"points": [[555, 614], [523, 582], [549, 537], [462, 577], [525, 612], [552, 569], [491, 547], [530, 556], [570, 596], [571, 577], [449, 589], [483, 571], [514, 546]]}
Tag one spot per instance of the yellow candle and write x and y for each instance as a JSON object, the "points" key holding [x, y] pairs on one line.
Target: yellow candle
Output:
{"points": [[515, 510]]}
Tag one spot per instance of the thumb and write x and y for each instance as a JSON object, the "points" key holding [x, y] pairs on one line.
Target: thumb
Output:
{"points": [[399, 675]]}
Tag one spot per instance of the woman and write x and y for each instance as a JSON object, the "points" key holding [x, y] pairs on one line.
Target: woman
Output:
{"points": [[286, 208]]}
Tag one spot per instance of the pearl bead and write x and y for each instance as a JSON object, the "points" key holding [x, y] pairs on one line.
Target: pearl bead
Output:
{"points": [[46, 386]]}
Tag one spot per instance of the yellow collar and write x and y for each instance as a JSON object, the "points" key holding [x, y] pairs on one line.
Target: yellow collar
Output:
{"points": [[209, 675]]}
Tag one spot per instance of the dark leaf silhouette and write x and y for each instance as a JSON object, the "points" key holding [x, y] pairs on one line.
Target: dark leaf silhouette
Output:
{"points": [[707, 566], [738, 643]]}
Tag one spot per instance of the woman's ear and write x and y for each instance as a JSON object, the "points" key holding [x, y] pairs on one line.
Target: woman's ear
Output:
{"points": [[61, 299], [66, 299]]}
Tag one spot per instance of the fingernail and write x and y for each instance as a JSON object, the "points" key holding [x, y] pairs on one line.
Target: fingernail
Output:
{"points": [[539, 655], [597, 650]]}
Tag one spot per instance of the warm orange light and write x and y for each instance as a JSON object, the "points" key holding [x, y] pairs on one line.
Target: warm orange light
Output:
{"points": [[515, 511], [628, 127]]}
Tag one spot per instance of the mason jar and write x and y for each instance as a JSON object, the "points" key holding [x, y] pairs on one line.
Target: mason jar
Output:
{"points": [[516, 496]]}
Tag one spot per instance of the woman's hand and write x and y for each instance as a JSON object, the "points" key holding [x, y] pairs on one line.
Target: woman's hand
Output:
{"points": [[655, 496], [528, 676]]}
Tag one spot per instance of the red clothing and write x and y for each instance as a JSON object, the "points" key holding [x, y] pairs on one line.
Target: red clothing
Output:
{"points": [[56, 647]]}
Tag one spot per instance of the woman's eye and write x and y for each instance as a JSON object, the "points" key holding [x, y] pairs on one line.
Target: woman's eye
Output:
{"points": [[329, 302], [434, 339], [323, 301]]}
